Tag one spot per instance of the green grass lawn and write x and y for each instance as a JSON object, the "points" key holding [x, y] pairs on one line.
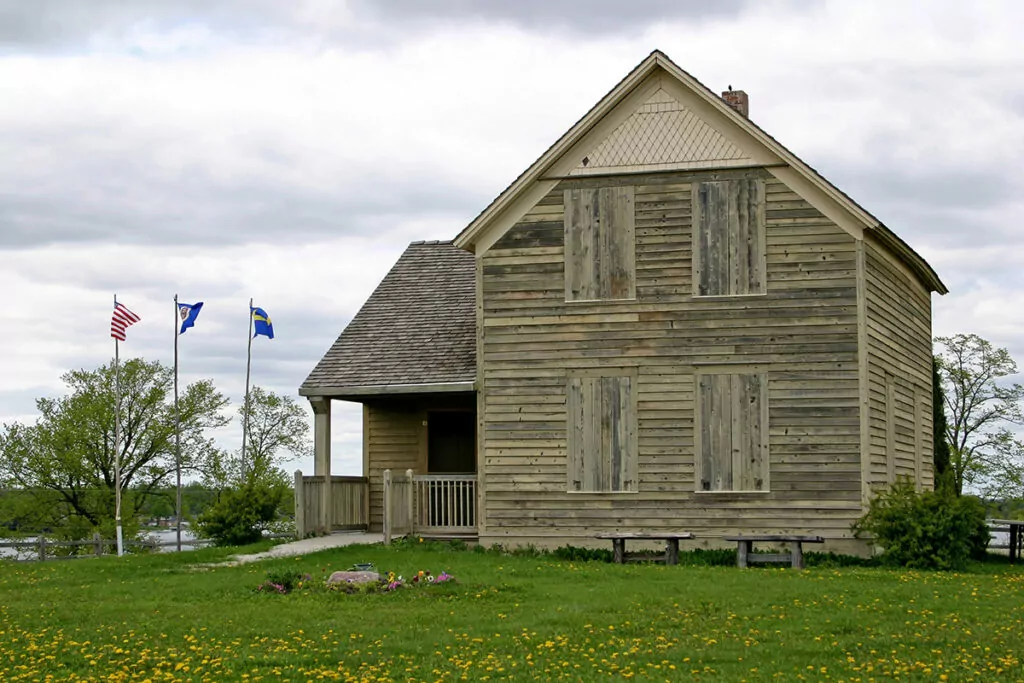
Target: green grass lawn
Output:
{"points": [[506, 618]]}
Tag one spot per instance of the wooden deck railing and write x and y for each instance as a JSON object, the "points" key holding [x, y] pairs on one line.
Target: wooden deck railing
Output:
{"points": [[432, 505], [350, 504], [398, 505]]}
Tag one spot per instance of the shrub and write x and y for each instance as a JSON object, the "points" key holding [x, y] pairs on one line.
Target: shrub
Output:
{"points": [[572, 553], [927, 530], [240, 514]]}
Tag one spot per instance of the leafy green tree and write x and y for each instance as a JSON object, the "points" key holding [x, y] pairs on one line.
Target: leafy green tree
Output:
{"points": [[278, 432], [982, 406], [254, 491], [66, 459]]}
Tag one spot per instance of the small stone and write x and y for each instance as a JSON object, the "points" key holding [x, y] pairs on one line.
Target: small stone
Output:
{"points": [[353, 577]]}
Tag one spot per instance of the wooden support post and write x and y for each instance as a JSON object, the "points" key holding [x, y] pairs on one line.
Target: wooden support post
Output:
{"points": [[618, 550], [322, 458], [742, 551], [42, 548], [97, 541], [366, 504], [672, 551], [796, 554], [410, 499], [387, 507], [300, 506], [1015, 531]]}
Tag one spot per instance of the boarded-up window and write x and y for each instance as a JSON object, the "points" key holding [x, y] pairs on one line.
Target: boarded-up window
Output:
{"points": [[729, 238], [600, 252], [732, 443], [602, 454]]}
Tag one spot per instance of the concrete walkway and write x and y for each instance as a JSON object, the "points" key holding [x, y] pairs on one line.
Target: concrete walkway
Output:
{"points": [[315, 544]]}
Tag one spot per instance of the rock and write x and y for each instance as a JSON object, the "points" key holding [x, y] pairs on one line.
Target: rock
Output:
{"points": [[353, 577]]}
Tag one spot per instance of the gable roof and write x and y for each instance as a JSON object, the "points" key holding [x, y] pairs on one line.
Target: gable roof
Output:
{"points": [[517, 196], [416, 332]]}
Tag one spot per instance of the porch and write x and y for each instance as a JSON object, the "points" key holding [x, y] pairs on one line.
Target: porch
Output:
{"points": [[418, 472], [425, 505]]}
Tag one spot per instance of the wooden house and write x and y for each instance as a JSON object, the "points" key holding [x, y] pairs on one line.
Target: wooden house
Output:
{"points": [[668, 322]]}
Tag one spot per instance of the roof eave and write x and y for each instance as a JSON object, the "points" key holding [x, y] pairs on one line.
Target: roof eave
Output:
{"points": [[367, 391], [918, 265]]}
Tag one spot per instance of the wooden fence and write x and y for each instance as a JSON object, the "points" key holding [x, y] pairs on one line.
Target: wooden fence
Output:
{"points": [[432, 505], [1014, 530], [349, 502]]}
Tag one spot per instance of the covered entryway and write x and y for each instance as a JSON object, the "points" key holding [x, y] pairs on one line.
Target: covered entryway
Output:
{"points": [[409, 357], [419, 470], [446, 495]]}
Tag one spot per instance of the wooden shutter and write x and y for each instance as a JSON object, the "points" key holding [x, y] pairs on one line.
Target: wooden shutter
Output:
{"points": [[733, 434], [600, 251], [602, 444], [729, 237]]}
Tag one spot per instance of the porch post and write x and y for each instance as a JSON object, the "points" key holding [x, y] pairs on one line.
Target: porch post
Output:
{"points": [[300, 506], [322, 458]]}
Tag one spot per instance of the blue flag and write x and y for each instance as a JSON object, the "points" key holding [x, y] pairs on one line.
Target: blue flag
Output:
{"points": [[261, 323], [189, 313]]}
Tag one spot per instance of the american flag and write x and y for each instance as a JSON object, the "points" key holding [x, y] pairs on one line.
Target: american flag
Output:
{"points": [[121, 320]]}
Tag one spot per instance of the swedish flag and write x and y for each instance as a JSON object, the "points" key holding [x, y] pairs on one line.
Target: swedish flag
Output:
{"points": [[261, 323]]}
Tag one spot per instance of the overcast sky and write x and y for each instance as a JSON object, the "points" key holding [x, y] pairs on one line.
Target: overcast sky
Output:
{"points": [[289, 151]]}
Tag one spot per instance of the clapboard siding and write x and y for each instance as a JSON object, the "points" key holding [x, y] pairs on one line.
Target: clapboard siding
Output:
{"points": [[899, 372], [394, 436], [801, 334]]}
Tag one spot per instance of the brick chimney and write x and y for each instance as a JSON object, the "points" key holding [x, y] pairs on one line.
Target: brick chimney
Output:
{"points": [[738, 100]]}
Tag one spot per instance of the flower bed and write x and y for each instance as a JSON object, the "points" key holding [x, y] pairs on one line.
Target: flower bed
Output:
{"points": [[391, 582], [362, 581]]}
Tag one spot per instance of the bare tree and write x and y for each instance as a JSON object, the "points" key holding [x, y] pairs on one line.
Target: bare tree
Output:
{"points": [[982, 406]]}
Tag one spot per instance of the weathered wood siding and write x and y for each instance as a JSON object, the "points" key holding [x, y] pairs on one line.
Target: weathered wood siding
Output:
{"points": [[801, 334], [899, 372], [395, 435]]}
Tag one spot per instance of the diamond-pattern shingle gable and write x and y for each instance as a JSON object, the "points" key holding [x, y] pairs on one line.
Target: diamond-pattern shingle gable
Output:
{"points": [[418, 326], [662, 134]]}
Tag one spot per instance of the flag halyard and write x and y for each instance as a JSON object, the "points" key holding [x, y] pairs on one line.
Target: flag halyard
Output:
{"points": [[121, 320]]}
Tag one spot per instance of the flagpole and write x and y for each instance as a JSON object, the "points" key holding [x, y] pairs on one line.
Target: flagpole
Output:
{"points": [[245, 409], [177, 431], [117, 442]]}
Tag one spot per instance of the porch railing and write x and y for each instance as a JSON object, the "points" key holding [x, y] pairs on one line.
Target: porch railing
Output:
{"points": [[349, 504], [429, 504]]}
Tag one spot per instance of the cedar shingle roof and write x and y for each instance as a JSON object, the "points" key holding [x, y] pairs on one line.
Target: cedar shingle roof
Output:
{"points": [[418, 326]]}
